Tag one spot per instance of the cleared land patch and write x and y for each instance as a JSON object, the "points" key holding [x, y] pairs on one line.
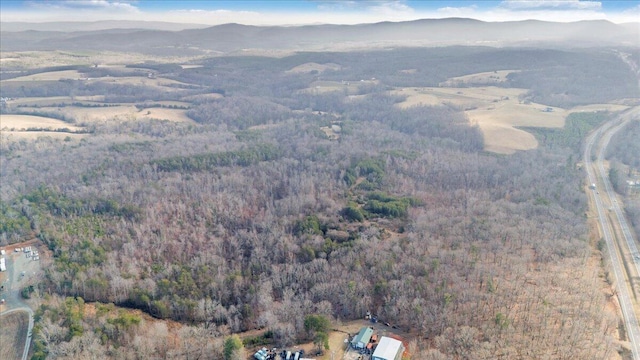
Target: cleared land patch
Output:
{"points": [[13, 332], [351, 87], [309, 67], [49, 76], [36, 59], [483, 78], [25, 122], [128, 112], [177, 115], [495, 110], [163, 83]]}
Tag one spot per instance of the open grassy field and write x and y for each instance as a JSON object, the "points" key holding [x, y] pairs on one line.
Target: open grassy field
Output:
{"points": [[49, 76], [163, 83], [484, 78], [24, 122], [497, 111], [11, 136], [351, 87], [36, 59], [309, 67], [13, 330], [177, 115]]}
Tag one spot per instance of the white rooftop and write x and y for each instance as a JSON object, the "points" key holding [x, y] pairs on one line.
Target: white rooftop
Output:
{"points": [[387, 349]]}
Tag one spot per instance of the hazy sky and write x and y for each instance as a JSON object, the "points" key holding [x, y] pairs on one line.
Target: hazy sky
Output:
{"points": [[295, 12]]}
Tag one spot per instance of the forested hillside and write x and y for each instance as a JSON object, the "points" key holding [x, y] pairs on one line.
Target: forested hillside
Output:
{"points": [[625, 168], [251, 217]]}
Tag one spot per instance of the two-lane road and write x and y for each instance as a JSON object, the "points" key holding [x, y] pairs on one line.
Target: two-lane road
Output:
{"points": [[13, 299], [597, 175]]}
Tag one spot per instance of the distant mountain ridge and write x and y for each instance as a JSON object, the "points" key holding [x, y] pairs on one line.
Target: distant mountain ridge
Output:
{"points": [[71, 26], [125, 36]]}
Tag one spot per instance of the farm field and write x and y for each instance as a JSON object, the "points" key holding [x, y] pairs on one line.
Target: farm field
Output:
{"points": [[321, 86], [309, 67], [13, 329], [24, 122], [497, 111], [159, 83], [485, 78], [36, 59], [49, 76]]}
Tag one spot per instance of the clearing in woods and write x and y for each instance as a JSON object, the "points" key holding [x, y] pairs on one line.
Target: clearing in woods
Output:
{"points": [[309, 67], [24, 122], [483, 78], [13, 332], [124, 112], [497, 111]]}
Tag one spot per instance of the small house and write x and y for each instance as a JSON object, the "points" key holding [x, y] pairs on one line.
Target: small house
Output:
{"points": [[361, 340]]}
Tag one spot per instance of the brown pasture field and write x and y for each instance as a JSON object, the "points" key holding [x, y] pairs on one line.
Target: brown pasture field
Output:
{"points": [[23, 122], [84, 115], [38, 59], [485, 78], [351, 87], [13, 332], [88, 115], [49, 76], [497, 111], [164, 84], [311, 66], [11, 136], [176, 115]]}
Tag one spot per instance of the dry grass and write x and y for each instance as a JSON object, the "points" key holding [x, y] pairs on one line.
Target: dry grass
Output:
{"points": [[351, 87], [311, 66], [13, 332], [85, 115], [11, 136], [162, 83], [38, 59], [24, 122], [49, 76], [484, 78], [177, 115], [599, 107], [88, 115], [495, 110]]}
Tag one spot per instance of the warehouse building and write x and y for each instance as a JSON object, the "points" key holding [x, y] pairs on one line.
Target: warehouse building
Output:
{"points": [[388, 349]]}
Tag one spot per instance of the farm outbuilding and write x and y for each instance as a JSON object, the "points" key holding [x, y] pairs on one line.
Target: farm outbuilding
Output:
{"points": [[361, 340], [388, 349]]}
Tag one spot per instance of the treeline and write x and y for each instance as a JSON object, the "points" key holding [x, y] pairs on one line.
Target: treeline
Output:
{"points": [[239, 112], [577, 125], [625, 166], [625, 147], [209, 162]]}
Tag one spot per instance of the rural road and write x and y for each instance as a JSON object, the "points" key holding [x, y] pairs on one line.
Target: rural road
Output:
{"points": [[15, 281], [27, 343], [597, 174]]}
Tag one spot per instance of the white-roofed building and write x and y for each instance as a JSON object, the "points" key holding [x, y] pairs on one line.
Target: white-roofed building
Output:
{"points": [[388, 349]]}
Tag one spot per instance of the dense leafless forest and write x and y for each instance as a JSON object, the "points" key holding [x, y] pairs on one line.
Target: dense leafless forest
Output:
{"points": [[252, 217]]}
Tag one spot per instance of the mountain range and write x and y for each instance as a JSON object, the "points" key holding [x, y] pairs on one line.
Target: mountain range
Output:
{"points": [[169, 38]]}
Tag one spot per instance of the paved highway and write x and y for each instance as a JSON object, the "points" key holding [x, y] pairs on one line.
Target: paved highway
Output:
{"points": [[604, 134]]}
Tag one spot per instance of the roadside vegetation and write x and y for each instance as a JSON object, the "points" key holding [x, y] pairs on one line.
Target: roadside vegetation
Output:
{"points": [[624, 171]]}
